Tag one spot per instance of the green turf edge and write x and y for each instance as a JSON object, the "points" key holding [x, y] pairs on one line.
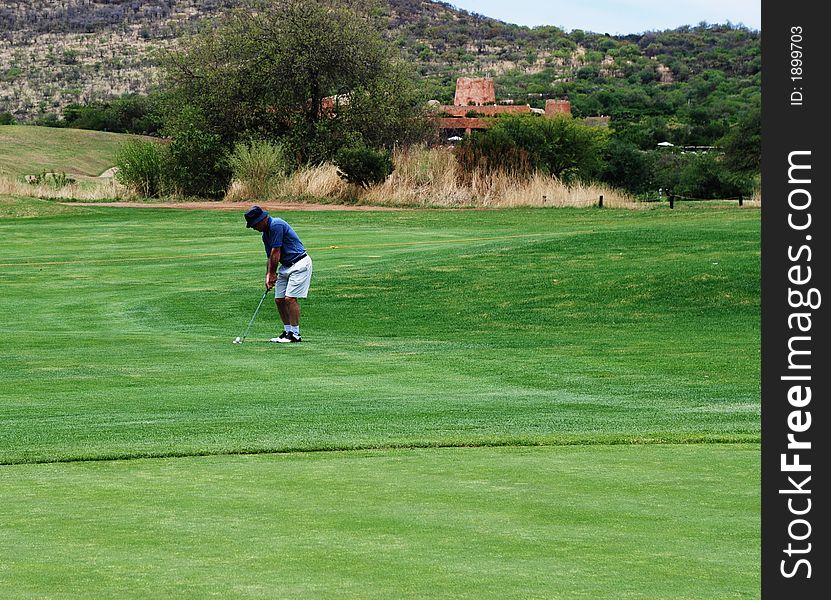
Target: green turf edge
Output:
{"points": [[576, 440]]}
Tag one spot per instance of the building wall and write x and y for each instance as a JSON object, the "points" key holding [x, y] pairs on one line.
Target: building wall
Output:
{"points": [[479, 95], [466, 123], [489, 111], [474, 91], [557, 107]]}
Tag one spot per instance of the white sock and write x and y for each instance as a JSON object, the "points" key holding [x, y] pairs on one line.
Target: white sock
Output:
{"points": [[286, 328], [295, 329]]}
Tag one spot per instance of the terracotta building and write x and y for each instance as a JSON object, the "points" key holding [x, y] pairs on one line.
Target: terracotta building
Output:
{"points": [[475, 103], [557, 107], [472, 91]]}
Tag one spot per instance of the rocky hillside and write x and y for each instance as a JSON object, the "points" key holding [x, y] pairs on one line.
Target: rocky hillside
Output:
{"points": [[57, 52]]}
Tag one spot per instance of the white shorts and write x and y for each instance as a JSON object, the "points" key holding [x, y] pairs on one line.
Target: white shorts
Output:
{"points": [[294, 281]]}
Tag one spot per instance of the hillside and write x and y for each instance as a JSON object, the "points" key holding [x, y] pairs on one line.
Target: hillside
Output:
{"points": [[54, 54], [31, 150]]}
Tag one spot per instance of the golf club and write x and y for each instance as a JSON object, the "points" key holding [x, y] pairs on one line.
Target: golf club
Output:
{"points": [[241, 339]]}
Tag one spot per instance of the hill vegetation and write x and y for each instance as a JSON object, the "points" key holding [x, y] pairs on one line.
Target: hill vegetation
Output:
{"points": [[694, 79]]}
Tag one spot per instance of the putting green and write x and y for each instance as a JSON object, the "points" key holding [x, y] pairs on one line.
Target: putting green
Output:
{"points": [[591, 522]]}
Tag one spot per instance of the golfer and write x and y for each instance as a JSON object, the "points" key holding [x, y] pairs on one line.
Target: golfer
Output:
{"points": [[288, 270]]}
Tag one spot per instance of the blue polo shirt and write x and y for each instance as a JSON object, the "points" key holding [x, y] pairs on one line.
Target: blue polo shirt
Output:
{"points": [[280, 235]]}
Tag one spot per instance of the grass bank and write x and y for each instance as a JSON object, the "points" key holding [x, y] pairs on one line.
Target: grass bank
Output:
{"points": [[29, 150]]}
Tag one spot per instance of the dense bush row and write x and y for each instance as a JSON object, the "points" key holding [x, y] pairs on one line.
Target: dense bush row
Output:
{"points": [[132, 113], [697, 175], [561, 147], [570, 151], [196, 163]]}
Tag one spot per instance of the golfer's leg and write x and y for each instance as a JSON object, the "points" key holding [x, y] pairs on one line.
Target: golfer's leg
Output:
{"points": [[280, 296], [282, 308], [297, 287], [292, 307]]}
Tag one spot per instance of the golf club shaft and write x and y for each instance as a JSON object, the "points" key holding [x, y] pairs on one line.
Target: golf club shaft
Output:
{"points": [[254, 316]]}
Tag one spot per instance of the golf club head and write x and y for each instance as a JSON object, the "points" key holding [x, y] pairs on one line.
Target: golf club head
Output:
{"points": [[237, 340]]}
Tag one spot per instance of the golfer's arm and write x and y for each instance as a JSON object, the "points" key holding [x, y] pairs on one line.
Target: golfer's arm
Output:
{"points": [[273, 261]]}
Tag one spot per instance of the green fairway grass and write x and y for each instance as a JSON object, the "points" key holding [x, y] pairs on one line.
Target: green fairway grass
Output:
{"points": [[29, 150], [422, 328], [551, 394], [593, 522]]}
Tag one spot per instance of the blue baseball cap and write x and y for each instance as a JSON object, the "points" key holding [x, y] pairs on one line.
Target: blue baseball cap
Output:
{"points": [[254, 216]]}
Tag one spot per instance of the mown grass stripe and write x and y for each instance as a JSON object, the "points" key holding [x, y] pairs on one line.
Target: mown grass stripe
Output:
{"points": [[198, 255]]}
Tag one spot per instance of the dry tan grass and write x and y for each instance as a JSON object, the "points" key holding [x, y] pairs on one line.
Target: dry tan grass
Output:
{"points": [[755, 200], [431, 177], [422, 177], [320, 181], [239, 192], [503, 191], [89, 190]]}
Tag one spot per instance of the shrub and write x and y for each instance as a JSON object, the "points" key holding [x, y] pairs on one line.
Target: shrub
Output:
{"points": [[197, 162], [627, 167], [700, 176], [7, 118], [666, 168], [363, 166], [48, 120], [197, 165], [257, 165], [705, 176], [128, 114], [54, 180], [140, 167], [87, 116], [521, 145]]}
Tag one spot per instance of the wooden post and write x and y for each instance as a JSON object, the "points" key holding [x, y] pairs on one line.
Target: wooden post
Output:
{"points": [[671, 201], [600, 204], [740, 199]]}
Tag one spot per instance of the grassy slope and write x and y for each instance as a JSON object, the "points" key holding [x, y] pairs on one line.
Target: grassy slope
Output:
{"points": [[27, 150], [423, 328]]}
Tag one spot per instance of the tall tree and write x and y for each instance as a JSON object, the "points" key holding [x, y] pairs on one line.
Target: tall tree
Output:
{"points": [[295, 68], [743, 143]]}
